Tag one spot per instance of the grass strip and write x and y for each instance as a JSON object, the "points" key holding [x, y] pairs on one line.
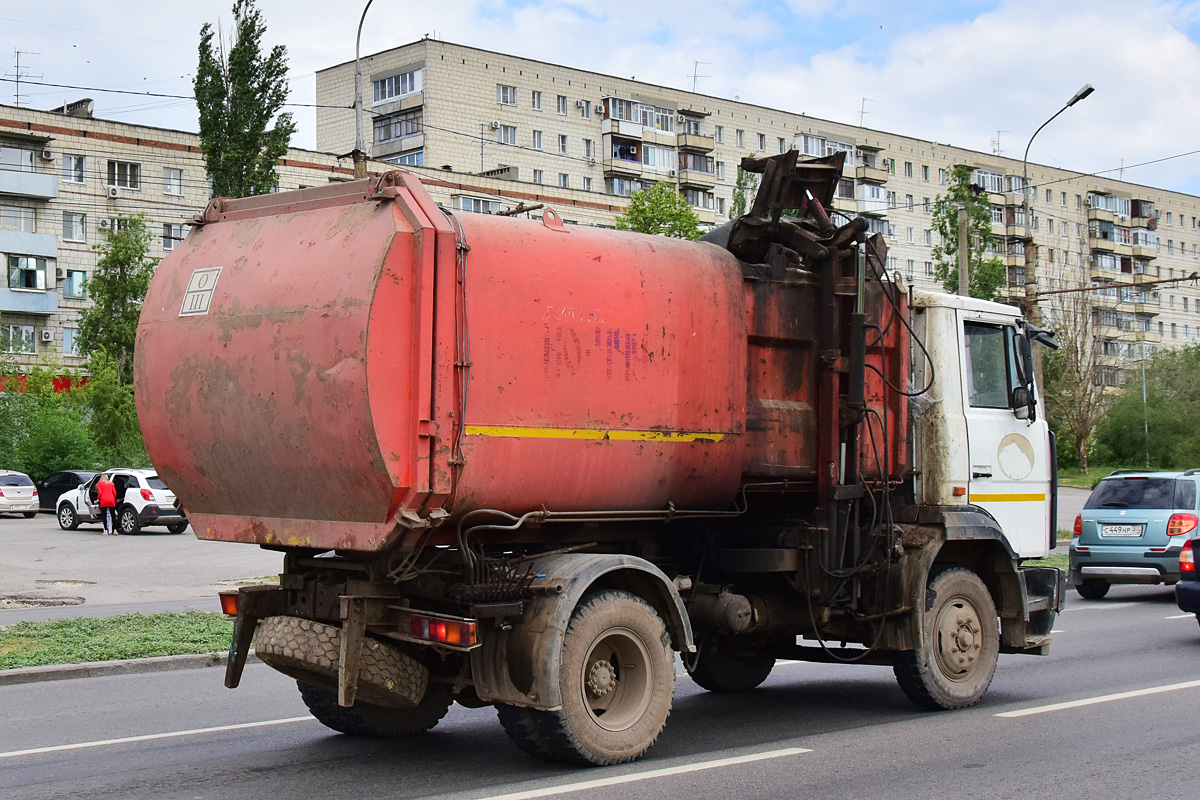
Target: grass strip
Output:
{"points": [[85, 639], [1053, 560]]}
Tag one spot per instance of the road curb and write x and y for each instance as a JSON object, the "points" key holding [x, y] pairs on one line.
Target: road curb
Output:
{"points": [[100, 669]]}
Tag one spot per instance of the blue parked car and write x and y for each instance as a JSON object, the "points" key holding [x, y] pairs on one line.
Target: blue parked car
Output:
{"points": [[1187, 591], [1132, 530]]}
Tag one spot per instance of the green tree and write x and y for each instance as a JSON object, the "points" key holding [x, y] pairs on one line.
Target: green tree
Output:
{"points": [[239, 91], [744, 188], [112, 414], [117, 287], [662, 211], [1165, 427], [986, 274], [1073, 379]]}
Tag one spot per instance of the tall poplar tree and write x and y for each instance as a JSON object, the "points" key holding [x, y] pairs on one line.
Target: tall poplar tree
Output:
{"points": [[239, 90], [986, 275]]}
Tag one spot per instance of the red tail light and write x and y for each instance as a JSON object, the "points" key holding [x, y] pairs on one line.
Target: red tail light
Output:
{"points": [[229, 602], [1078, 525], [1179, 524], [35, 492], [1187, 559], [1, 493], [147, 495], [458, 633]]}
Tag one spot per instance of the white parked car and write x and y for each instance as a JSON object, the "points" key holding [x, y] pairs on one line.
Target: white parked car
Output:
{"points": [[142, 499], [18, 495]]}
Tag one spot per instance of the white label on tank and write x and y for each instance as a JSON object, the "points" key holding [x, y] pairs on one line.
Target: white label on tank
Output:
{"points": [[199, 292]]}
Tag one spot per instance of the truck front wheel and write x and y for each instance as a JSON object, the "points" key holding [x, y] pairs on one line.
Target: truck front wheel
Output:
{"points": [[617, 681], [366, 719], [960, 644]]}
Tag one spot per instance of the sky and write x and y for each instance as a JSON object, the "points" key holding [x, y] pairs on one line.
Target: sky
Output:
{"points": [[977, 74]]}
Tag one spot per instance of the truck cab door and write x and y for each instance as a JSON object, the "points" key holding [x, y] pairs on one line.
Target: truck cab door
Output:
{"points": [[1008, 446]]}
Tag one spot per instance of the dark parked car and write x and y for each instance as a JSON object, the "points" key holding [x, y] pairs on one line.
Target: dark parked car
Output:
{"points": [[1187, 591], [1132, 529], [54, 485]]}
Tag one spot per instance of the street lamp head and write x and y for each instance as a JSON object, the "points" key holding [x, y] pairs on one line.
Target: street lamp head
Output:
{"points": [[1082, 93]]}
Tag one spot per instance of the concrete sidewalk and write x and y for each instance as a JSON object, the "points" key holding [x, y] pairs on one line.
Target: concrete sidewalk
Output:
{"points": [[97, 669]]}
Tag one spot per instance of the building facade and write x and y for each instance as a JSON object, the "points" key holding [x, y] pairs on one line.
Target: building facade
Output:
{"points": [[460, 109]]}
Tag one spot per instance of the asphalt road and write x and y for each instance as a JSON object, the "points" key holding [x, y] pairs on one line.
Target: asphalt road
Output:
{"points": [[153, 570], [812, 731]]}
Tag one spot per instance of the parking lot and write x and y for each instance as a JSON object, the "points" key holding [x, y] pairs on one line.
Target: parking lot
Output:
{"points": [[42, 563]]}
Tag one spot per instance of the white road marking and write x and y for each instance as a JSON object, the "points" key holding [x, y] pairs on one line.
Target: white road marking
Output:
{"points": [[152, 736], [583, 786], [1099, 606], [1101, 699], [1181, 616], [1057, 630]]}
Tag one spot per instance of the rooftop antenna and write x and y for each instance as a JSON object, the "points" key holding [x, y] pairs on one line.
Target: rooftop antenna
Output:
{"points": [[862, 112], [17, 74], [996, 144], [696, 73]]}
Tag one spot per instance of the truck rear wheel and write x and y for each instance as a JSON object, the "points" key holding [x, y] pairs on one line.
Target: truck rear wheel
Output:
{"points": [[617, 681], [960, 644], [722, 665], [382, 722], [525, 729]]}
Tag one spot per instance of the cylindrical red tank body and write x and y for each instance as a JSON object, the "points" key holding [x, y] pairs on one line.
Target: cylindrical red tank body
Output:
{"points": [[315, 368]]}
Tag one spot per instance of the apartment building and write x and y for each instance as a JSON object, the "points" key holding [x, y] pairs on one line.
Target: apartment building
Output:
{"points": [[66, 178], [462, 110]]}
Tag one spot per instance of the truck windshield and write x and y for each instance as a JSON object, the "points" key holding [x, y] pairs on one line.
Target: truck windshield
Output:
{"points": [[1160, 493]]}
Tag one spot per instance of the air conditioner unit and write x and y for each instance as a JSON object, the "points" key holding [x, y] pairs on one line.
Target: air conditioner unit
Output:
{"points": [[599, 109], [495, 125], [592, 161], [113, 193], [58, 273], [671, 173], [679, 119], [47, 335], [47, 155], [580, 103], [105, 224]]}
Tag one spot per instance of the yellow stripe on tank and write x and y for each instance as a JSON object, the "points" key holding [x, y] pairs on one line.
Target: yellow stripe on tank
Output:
{"points": [[1007, 498], [617, 434]]}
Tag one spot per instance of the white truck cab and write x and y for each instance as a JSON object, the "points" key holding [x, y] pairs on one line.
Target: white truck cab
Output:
{"points": [[979, 437]]}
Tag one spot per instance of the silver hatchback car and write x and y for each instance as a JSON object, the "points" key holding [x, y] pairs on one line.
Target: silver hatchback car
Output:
{"points": [[18, 495]]}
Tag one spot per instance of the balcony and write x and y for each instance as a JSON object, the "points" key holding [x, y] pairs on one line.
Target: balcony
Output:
{"points": [[707, 216], [698, 179], [1102, 275], [36, 185], [1144, 251], [1102, 214], [696, 143], [870, 174], [1101, 244], [619, 167]]}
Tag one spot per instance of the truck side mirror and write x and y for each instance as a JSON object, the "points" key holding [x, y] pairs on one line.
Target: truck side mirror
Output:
{"points": [[1021, 402]]}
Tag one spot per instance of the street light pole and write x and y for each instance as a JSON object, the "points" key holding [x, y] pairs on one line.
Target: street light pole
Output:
{"points": [[1030, 251], [360, 156]]}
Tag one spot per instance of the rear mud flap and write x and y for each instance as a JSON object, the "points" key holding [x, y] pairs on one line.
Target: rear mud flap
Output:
{"points": [[1043, 590]]}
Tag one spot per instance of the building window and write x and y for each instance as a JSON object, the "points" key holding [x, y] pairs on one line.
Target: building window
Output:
{"points": [[125, 174], [621, 187], [397, 85], [172, 235], [658, 157], [564, 180], [17, 218], [928, 268], [721, 205], [782, 145], [17, 339], [70, 341], [506, 95], [74, 226], [72, 168], [396, 126], [928, 238], [925, 173], [941, 176], [28, 272], [627, 150], [506, 134], [536, 100], [911, 236], [720, 165], [562, 104], [698, 198], [908, 202], [16, 158], [412, 158], [740, 137], [908, 169], [75, 286], [588, 150], [585, 108], [538, 176], [719, 134], [477, 205], [587, 184], [762, 143], [1078, 201], [562, 143], [172, 180], [696, 163], [537, 140], [911, 268], [926, 206]]}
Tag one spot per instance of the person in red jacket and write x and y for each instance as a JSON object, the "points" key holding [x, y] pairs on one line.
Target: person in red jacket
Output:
{"points": [[106, 492]]}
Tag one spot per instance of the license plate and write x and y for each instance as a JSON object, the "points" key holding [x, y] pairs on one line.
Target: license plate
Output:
{"points": [[1121, 530]]}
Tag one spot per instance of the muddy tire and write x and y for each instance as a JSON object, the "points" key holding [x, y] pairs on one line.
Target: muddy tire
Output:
{"points": [[380, 722], [617, 681], [721, 665], [960, 644], [525, 727], [1093, 588], [68, 520], [310, 652]]}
